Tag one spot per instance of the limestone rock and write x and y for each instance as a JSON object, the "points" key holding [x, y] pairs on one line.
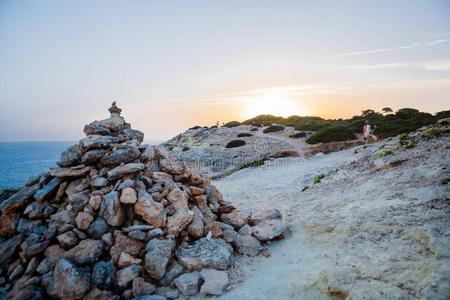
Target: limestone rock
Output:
{"points": [[214, 282], [179, 221], [68, 172], [157, 257], [71, 156], [49, 189], [83, 220], [111, 209], [236, 218], [124, 170], [124, 154], [86, 252], [19, 200], [141, 288], [188, 283], [204, 253], [69, 281], [126, 275], [264, 215], [128, 196], [269, 229], [152, 212], [126, 260], [103, 275], [247, 245]]}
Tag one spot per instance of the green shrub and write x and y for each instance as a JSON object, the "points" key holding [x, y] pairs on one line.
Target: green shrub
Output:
{"points": [[235, 143], [254, 164], [384, 152], [298, 135], [273, 128], [443, 114], [433, 132], [244, 134], [305, 188], [331, 134], [232, 124], [195, 128], [405, 142], [445, 181], [318, 178], [6, 193]]}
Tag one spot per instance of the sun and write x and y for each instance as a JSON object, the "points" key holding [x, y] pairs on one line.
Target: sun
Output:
{"points": [[271, 102]]}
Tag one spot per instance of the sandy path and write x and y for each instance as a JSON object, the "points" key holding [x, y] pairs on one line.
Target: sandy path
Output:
{"points": [[361, 233]]}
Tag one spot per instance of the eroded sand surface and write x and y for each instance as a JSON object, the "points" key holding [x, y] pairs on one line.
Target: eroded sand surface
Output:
{"points": [[371, 229]]}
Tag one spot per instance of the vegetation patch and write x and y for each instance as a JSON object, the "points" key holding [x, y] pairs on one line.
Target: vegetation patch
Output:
{"points": [[331, 134], [254, 164], [405, 142], [235, 144], [244, 134], [232, 124], [384, 152], [445, 181], [298, 135], [318, 178], [433, 132], [195, 128], [273, 128]]}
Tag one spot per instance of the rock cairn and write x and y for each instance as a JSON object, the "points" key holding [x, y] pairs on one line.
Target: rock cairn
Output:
{"points": [[120, 220]]}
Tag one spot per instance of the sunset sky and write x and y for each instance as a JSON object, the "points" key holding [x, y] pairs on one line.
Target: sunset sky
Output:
{"points": [[171, 65]]}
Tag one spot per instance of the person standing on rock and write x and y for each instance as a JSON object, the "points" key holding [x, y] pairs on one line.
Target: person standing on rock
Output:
{"points": [[366, 131]]}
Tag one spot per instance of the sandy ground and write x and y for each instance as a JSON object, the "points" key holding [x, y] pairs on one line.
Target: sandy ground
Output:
{"points": [[371, 229]]}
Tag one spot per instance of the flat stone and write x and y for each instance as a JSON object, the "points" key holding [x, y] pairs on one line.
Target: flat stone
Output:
{"points": [[95, 201], [236, 218], [126, 275], [178, 198], [268, 214], [96, 294], [96, 141], [158, 254], [98, 228], [68, 239], [125, 154], [86, 252], [126, 260], [214, 282], [68, 172], [126, 244], [92, 156], [269, 229], [8, 224], [71, 156], [188, 283], [152, 212], [124, 170], [111, 209], [204, 253], [142, 288], [99, 182], [69, 281], [49, 189], [128, 196], [173, 271], [19, 200], [247, 245]]}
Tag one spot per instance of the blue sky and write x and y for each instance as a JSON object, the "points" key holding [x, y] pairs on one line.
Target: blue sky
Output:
{"points": [[175, 64]]}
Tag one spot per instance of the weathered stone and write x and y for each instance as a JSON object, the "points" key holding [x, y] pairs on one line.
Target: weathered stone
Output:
{"points": [[214, 282], [27, 226], [92, 156], [126, 260], [83, 220], [126, 275], [35, 210], [49, 189], [141, 288], [111, 209], [99, 182], [103, 275], [236, 218], [161, 177], [178, 198], [125, 154], [95, 201], [95, 141], [141, 227], [98, 228], [172, 165], [204, 253], [69, 281], [18, 270], [96, 128], [196, 228], [71, 156], [126, 244], [137, 234], [124, 170], [86, 252], [213, 194], [79, 200], [173, 271], [269, 229], [213, 227], [247, 245], [188, 283], [19, 200], [264, 215], [150, 297], [53, 253], [35, 249], [68, 172], [96, 294], [230, 235], [8, 224], [157, 257], [128, 196], [68, 239], [32, 265], [179, 221], [134, 134], [152, 212]]}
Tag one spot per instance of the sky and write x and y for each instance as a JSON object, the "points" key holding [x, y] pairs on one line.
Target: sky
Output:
{"points": [[171, 65]]}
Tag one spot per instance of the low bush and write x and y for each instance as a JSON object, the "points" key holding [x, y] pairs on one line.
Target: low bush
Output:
{"points": [[273, 128], [433, 132], [384, 152], [318, 178], [405, 142], [195, 128], [254, 164], [235, 143], [232, 124], [331, 134], [445, 181], [244, 134], [298, 135]]}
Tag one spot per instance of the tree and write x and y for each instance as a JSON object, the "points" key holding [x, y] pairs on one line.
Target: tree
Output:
{"points": [[367, 112], [387, 110]]}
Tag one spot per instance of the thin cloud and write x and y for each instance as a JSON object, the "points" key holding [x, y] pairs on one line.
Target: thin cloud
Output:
{"points": [[434, 65], [409, 46]]}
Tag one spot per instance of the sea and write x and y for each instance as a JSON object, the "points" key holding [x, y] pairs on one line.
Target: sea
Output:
{"points": [[21, 160]]}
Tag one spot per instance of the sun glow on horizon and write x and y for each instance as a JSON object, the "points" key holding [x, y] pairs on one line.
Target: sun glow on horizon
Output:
{"points": [[278, 103]]}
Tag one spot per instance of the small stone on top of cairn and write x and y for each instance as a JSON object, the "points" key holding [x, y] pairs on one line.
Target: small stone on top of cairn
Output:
{"points": [[114, 110]]}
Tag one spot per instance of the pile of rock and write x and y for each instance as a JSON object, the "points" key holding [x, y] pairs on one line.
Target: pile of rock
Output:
{"points": [[117, 220]]}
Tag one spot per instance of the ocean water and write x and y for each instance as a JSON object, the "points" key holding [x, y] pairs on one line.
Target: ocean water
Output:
{"points": [[20, 160]]}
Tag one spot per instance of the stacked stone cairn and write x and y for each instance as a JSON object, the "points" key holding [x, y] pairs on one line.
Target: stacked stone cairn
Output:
{"points": [[120, 220]]}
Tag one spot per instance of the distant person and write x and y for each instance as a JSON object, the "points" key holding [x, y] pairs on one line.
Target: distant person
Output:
{"points": [[366, 131]]}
